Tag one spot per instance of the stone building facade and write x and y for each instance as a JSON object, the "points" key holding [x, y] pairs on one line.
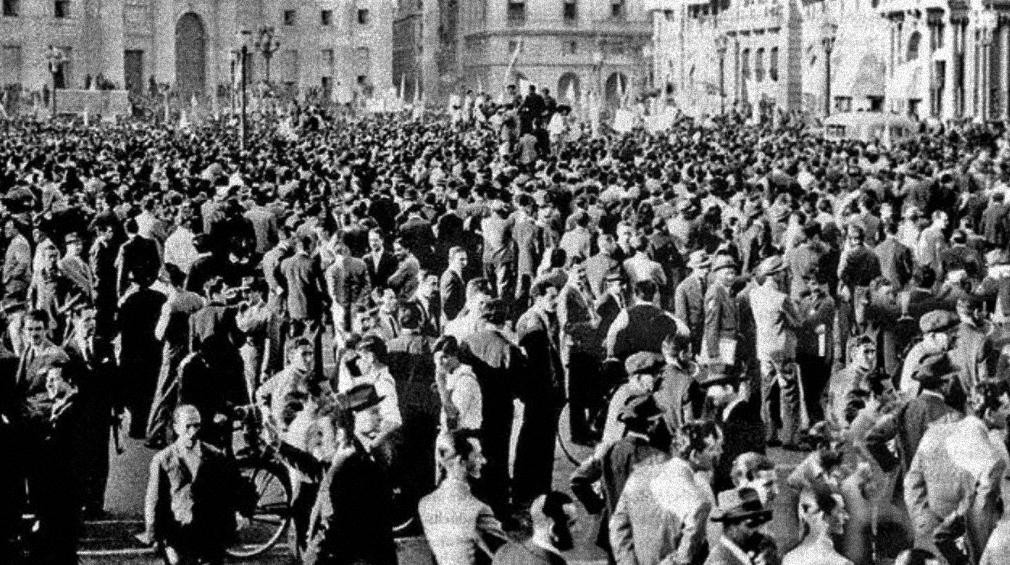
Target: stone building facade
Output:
{"points": [[567, 46], [764, 54], [339, 46]]}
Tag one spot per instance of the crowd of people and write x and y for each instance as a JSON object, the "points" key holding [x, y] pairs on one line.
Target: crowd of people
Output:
{"points": [[431, 305]]}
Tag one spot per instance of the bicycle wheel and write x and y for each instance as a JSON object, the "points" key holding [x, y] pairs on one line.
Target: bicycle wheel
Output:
{"points": [[269, 516]]}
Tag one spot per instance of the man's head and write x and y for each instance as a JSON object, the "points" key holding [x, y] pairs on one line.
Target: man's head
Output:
{"points": [[701, 443], [829, 446], [940, 219], [742, 514], [186, 423], [756, 471], [59, 383], [447, 353], [724, 270], [822, 511], [300, 355], [36, 325], [864, 352], [376, 240], [606, 243], [643, 369], [74, 245], [545, 296], [554, 515], [970, 309], [400, 250], [939, 329], [363, 402], [855, 235], [990, 402], [460, 453], [457, 259], [427, 285], [577, 274], [84, 320]]}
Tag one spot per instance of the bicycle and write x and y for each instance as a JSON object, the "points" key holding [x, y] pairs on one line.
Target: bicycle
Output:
{"points": [[267, 491]]}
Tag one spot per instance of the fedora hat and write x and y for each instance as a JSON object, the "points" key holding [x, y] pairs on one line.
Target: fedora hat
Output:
{"points": [[362, 397], [741, 504]]}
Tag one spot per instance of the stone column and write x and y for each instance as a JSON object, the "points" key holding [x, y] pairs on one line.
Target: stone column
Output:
{"points": [[112, 41], [970, 71], [949, 100], [1003, 68]]}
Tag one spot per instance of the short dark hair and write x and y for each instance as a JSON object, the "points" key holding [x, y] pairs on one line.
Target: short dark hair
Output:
{"points": [[447, 345], [540, 287], [646, 290]]}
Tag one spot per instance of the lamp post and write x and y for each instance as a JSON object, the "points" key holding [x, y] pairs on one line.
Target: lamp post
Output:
{"points": [[267, 45], [828, 33], [721, 45], [243, 56], [55, 58]]}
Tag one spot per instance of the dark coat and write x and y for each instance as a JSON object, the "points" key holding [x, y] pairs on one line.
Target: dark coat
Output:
{"points": [[896, 261], [303, 280], [452, 290], [380, 275], [140, 257]]}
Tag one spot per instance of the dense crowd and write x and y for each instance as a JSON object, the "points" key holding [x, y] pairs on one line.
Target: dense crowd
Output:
{"points": [[422, 309]]}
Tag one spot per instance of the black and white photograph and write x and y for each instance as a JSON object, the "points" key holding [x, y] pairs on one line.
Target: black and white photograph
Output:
{"points": [[504, 282]]}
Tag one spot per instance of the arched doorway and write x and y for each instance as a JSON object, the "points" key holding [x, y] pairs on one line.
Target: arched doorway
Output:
{"points": [[569, 89], [617, 85], [190, 56]]}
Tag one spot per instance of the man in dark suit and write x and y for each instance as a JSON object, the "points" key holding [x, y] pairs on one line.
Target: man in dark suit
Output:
{"points": [[742, 514], [351, 522], [908, 424], [192, 497], [102, 260], [348, 285], [552, 515], [140, 353], [896, 261], [498, 364], [139, 257], [93, 366], [452, 287], [427, 304], [689, 297], [304, 285], [995, 222], [381, 264], [418, 236], [542, 391]]}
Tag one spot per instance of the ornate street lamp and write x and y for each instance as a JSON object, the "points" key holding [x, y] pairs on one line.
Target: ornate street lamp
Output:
{"points": [[56, 58], [267, 45], [828, 33], [721, 45], [243, 56]]}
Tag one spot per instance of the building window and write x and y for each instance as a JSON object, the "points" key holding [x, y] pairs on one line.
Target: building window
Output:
{"points": [[571, 13], [745, 63], [326, 17], [61, 8], [913, 46], [573, 47], [10, 64], [759, 65], [617, 9], [12, 8], [773, 63], [513, 45], [516, 12], [328, 57], [363, 17], [289, 17]]}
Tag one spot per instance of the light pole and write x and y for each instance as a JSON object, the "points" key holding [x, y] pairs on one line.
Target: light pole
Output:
{"points": [[55, 58], [243, 55], [828, 33], [267, 45], [598, 63], [721, 45]]}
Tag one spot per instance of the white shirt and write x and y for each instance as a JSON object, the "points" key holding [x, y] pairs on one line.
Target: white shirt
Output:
{"points": [[179, 249], [464, 391]]}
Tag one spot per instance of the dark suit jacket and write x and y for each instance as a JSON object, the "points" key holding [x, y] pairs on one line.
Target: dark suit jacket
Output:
{"points": [[896, 261], [303, 280], [544, 380], [30, 381], [387, 266], [208, 500], [213, 322], [139, 256], [452, 290], [689, 305], [908, 424]]}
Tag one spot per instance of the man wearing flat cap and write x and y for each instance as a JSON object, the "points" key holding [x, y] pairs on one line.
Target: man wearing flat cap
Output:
{"points": [[776, 322], [689, 297], [722, 320], [643, 369], [938, 336]]}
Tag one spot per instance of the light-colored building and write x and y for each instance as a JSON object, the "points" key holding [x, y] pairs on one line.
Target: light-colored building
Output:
{"points": [[341, 46], [566, 46], [425, 48]]}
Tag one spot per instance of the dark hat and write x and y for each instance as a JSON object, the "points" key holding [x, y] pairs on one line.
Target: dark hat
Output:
{"points": [[938, 321], [723, 262], [362, 397], [933, 369], [741, 504], [643, 363], [639, 408]]}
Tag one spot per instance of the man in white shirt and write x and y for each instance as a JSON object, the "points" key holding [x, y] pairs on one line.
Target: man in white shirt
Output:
{"points": [[462, 405], [825, 516]]}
